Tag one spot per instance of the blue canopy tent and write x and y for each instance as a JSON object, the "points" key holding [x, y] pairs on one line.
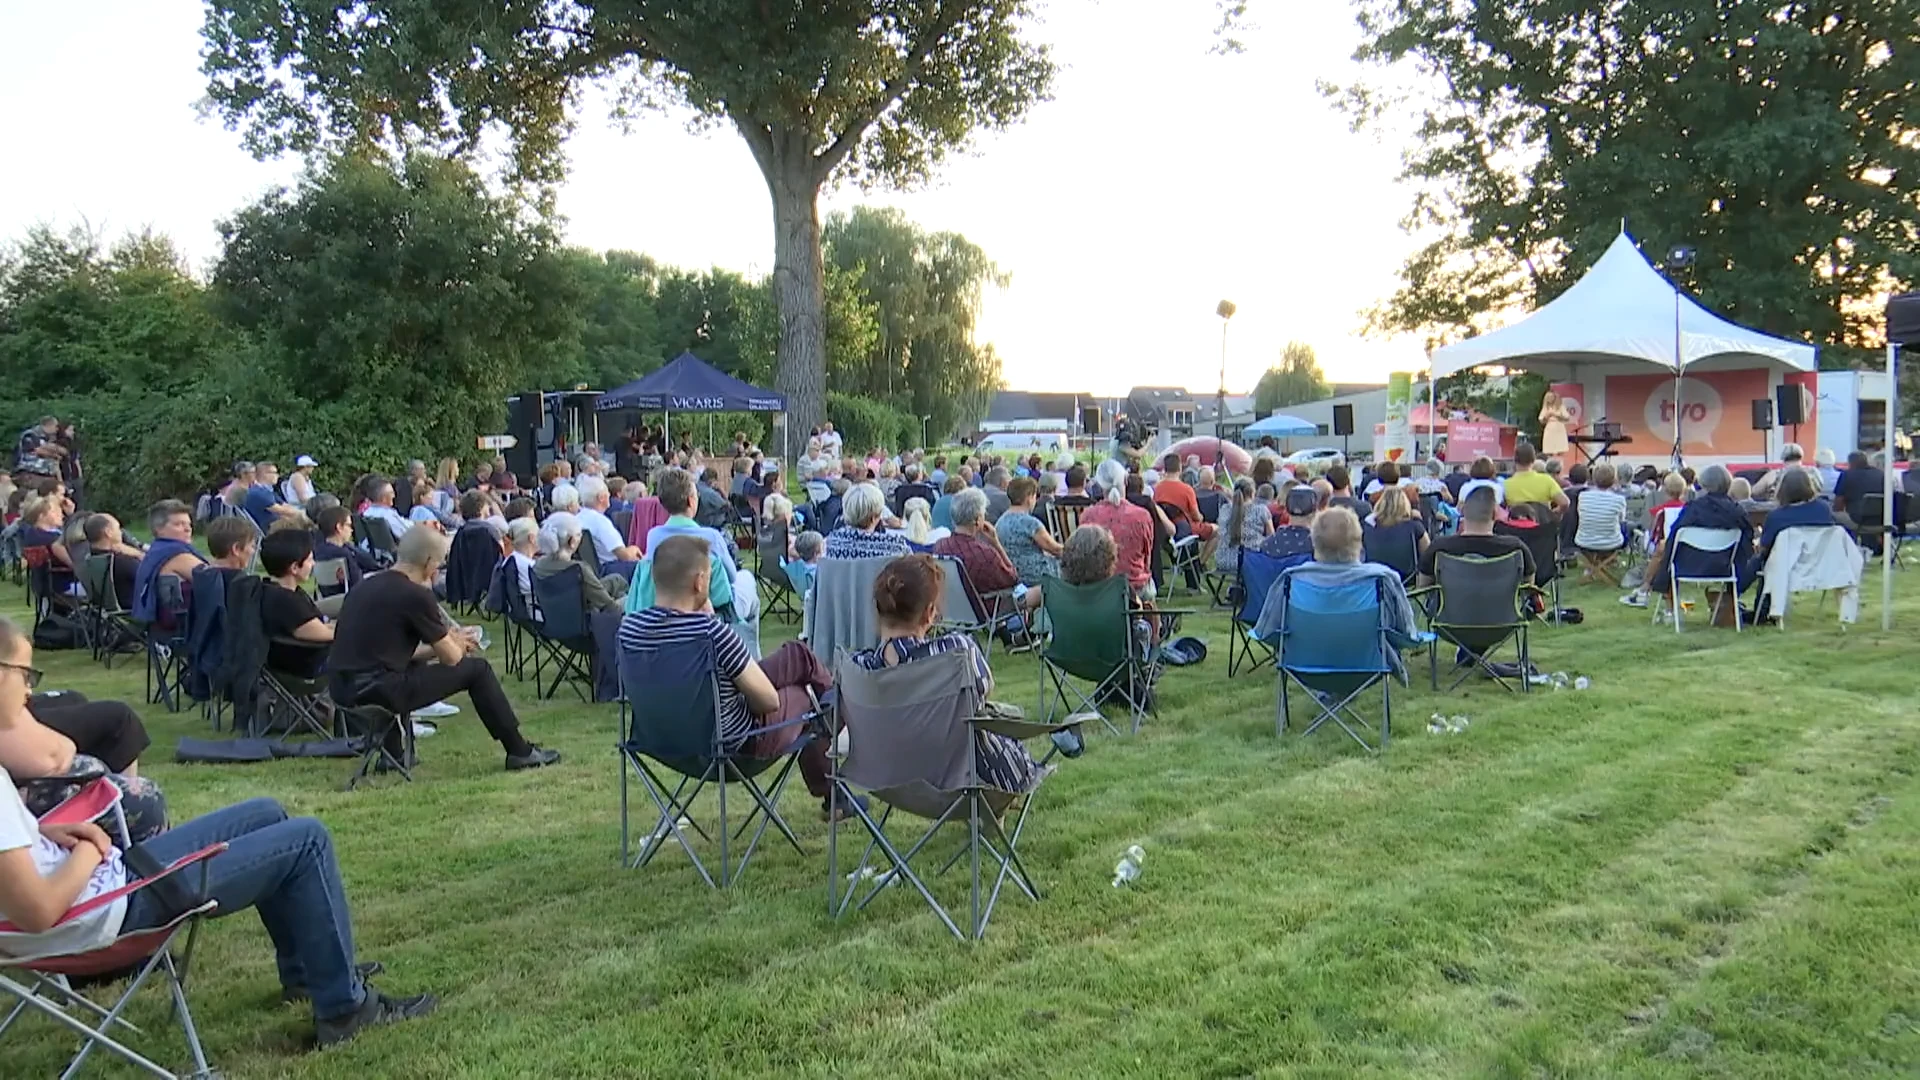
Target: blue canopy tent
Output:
{"points": [[690, 384], [1280, 426]]}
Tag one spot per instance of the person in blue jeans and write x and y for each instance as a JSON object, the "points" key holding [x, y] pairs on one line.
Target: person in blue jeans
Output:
{"points": [[284, 868]]}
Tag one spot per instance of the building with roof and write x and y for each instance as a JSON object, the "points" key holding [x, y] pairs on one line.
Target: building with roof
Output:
{"points": [[1024, 410]]}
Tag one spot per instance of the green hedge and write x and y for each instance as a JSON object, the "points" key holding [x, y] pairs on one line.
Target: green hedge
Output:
{"points": [[864, 424]]}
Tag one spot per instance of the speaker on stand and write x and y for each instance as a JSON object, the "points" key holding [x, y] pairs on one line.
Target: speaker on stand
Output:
{"points": [[525, 419], [1343, 425], [1763, 414]]}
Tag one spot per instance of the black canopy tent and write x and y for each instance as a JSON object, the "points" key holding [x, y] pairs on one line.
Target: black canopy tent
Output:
{"points": [[690, 384]]}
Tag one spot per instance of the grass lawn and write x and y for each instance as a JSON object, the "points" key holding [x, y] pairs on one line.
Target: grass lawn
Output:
{"points": [[1703, 866]]}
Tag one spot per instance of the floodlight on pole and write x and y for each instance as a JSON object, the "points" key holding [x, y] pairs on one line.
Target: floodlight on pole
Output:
{"points": [[1225, 309]]}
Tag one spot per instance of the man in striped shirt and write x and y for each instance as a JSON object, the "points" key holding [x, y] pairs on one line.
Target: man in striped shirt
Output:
{"points": [[751, 695]]}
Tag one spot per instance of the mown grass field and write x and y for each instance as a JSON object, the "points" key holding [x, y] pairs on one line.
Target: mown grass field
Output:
{"points": [[1703, 866]]}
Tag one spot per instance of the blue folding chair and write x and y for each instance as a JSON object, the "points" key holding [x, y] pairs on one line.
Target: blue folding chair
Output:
{"points": [[563, 632], [1258, 572], [1334, 643], [670, 715]]}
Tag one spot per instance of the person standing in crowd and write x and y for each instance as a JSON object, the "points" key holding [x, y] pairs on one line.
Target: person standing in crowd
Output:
{"points": [[394, 647], [37, 452], [299, 486]]}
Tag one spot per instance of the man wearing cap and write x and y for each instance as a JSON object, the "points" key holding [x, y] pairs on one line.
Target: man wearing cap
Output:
{"points": [[299, 488], [1295, 537], [38, 453]]}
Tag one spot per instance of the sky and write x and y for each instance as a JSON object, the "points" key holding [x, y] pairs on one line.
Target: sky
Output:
{"points": [[1161, 179]]}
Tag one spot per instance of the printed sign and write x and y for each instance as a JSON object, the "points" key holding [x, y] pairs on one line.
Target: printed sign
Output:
{"points": [[1398, 442], [1469, 439], [1645, 408], [498, 442]]}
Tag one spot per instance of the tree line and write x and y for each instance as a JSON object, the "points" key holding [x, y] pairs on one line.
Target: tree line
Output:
{"points": [[383, 310]]}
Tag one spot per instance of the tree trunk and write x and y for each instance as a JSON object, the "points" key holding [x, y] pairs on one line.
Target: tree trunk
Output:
{"points": [[799, 288]]}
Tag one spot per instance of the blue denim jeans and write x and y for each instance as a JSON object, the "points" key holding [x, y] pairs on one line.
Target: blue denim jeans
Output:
{"points": [[285, 869]]}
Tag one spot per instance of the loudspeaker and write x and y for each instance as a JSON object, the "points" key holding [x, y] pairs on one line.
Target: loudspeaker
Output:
{"points": [[1343, 419], [1791, 404], [525, 419], [1903, 319], [1090, 419], [1763, 414]]}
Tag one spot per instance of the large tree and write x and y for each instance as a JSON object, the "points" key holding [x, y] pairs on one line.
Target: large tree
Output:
{"points": [[1776, 137], [880, 90], [1295, 380], [926, 290]]}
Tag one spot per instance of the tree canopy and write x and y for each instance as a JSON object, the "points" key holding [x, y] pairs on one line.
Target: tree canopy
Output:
{"points": [[1775, 138], [1296, 379], [879, 90]]}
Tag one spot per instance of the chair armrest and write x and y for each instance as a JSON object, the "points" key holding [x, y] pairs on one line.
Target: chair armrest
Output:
{"points": [[801, 719], [1018, 729], [1165, 611], [1422, 591], [132, 887], [99, 796]]}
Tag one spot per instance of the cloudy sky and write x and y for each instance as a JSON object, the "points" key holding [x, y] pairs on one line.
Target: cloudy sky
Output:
{"points": [[1159, 180]]}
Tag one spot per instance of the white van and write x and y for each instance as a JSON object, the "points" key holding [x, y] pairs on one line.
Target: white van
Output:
{"points": [[1048, 444]]}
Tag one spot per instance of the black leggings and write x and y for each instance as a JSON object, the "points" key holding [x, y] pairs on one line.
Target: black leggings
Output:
{"points": [[108, 730], [423, 684]]}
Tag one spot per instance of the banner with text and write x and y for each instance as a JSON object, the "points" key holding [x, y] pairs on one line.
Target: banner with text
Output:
{"points": [[1714, 417], [1398, 442], [1469, 439]]}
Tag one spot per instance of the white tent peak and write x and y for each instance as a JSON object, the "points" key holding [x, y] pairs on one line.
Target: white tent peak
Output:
{"points": [[1622, 310]]}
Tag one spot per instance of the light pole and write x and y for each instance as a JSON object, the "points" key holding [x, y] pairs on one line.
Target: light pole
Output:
{"points": [[1678, 258], [923, 431], [1225, 310]]}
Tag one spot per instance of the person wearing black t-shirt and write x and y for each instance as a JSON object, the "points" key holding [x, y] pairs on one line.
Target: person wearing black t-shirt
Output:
{"points": [[392, 647], [1475, 537], [297, 637]]}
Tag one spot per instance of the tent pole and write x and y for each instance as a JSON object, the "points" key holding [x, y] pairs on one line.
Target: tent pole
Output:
{"points": [[1886, 503], [1679, 373], [1433, 404]]}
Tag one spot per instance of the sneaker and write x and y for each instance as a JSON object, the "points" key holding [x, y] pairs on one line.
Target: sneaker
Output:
{"points": [[437, 710], [376, 1010], [1635, 599], [424, 728], [534, 758], [291, 994]]}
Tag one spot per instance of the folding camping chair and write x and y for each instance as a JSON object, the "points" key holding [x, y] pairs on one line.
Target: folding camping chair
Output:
{"points": [[1258, 572], [471, 556], [564, 632], [670, 714], [380, 539], [1335, 645], [1477, 604], [1063, 519], [1713, 541], [292, 699], [41, 982], [1090, 639], [1543, 543], [166, 644], [906, 735], [1870, 520], [959, 613], [523, 642], [112, 623]]}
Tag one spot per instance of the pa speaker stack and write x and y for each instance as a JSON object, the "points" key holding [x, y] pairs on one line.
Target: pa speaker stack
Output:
{"points": [[1791, 404], [1903, 319], [524, 423], [1343, 419]]}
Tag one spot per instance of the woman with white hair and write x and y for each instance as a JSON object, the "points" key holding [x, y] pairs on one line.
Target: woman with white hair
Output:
{"points": [[1131, 527], [1825, 471], [1790, 457], [859, 535], [977, 547], [558, 543], [774, 538]]}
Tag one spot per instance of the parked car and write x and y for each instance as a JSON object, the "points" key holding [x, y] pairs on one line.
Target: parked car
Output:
{"points": [[1323, 456]]}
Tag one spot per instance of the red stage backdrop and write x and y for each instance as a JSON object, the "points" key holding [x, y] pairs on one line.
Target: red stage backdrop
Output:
{"points": [[1716, 412]]}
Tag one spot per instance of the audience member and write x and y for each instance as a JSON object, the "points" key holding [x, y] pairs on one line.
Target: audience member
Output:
{"points": [[1024, 536], [774, 537], [1341, 494], [912, 487], [1395, 536], [104, 538], [1790, 458], [523, 547], [1295, 538], [232, 542], [1603, 514], [859, 535], [299, 488], [380, 508], [808, 548], [172, 552], [1132, 529], [1244, 523], [297, 635], [1476, 536], [394, 647], [335, 527], [557, 550], [1800, 504], [1863, 477], [778, 689], [1174, 491], [43, 525], [1824, 471], [283, 867], [1712, 508], [714, 510], [907, 596], [54, 737], [617, 557], [262, 500], [1482, 474], [1529, 486], [976, 546], [1674, 487], [918, 525], [996, 489], [1338, 543]]}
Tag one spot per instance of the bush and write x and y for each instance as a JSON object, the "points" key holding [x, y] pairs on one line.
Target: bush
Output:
{"points": [[864, 424]]}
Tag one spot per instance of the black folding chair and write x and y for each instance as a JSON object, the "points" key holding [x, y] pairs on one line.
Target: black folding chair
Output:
{"points": [[166, 644], [1478, 604], [112, 627], [564, 628], [670, 717]]}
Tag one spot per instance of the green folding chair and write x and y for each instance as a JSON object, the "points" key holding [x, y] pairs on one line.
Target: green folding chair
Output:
{"points": [[1091, 641]]}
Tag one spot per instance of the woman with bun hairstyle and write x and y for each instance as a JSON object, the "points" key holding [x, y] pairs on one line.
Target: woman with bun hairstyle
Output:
{"points": [[907, 596]]}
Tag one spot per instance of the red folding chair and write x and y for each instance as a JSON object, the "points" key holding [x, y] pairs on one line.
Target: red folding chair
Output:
{"points": [[46, 988]]}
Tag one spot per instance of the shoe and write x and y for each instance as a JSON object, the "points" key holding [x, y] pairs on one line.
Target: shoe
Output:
{"points": [[376, 1010], [422, 729], [1634, 599], [844, 811], [291, 994], [533, 759], [437, 710]]}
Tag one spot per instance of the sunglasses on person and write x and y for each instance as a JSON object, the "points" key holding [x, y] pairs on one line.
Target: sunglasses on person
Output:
{"points": [[32, 675]]}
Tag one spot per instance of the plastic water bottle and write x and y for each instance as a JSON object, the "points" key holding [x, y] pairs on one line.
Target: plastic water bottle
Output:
{"points": [[1582, 683], [1138, 854], [1127, 870], [1437, 725], [1457, 725], [1560, 680]]}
